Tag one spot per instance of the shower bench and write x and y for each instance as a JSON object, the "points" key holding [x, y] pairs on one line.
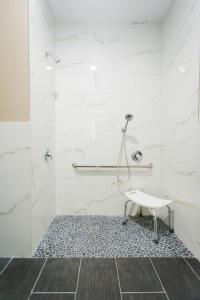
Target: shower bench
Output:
{"points": [[152, 203]]}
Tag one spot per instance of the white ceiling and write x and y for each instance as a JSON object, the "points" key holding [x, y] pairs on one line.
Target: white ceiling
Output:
{"points": [[109, 10]]}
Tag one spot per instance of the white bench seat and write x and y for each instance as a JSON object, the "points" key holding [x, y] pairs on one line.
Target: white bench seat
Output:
{"points": [[144, 200]]}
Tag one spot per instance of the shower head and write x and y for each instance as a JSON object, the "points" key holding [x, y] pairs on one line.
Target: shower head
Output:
{"points": [[129, 117], [56, 59]]}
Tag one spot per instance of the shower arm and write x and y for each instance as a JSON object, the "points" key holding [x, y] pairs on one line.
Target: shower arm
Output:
{"points": [[56, 59]]}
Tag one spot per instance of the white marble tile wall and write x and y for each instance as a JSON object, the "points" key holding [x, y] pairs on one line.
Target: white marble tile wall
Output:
{"points": [[15, 196], [106, 71], [181, 128], [42, 118]]}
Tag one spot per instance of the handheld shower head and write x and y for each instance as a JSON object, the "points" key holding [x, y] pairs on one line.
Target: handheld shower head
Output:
{"points": [[128, 118]]}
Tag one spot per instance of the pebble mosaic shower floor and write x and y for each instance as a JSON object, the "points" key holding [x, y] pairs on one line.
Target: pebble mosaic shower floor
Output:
{"points": [[103, 236]]}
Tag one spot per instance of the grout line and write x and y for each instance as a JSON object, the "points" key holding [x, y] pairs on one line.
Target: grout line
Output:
{"points": [[191, 268], [79, 271], [53, 293], [162, 292], [38, 278], [5, 266], [159, 278], [120, 290]]}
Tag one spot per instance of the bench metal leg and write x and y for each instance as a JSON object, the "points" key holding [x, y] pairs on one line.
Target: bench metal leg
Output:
{"points": [[155, 226], [140, 212], [125, 216], [170, 215]]}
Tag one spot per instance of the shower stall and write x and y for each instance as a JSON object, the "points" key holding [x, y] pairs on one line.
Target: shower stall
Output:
{"points": [[84, 75]]}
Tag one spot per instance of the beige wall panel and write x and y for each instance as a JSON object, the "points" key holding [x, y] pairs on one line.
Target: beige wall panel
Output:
{"points": [[14, 69]]}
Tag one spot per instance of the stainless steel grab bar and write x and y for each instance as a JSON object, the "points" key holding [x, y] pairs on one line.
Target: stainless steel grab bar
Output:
{"points": [[77, 166]]}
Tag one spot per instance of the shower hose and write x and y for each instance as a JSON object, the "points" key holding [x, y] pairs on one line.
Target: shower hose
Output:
{"points": [[123, 152]]}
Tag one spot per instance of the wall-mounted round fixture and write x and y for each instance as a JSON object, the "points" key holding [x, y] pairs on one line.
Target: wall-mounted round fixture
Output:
{"points": [[137, 156]]}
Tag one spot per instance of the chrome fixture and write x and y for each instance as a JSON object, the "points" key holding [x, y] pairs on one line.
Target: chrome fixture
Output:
{"points": [[56, 59], [137, 156], [123, 152], [48, 155], [128, 118], [77, 166]]}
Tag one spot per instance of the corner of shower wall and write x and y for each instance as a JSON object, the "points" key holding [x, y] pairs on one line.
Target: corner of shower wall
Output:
{"points": [[42, 118]]}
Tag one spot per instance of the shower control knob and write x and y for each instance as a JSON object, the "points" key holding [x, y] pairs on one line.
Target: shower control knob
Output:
{"points": [[137, 156], [48, 155]]}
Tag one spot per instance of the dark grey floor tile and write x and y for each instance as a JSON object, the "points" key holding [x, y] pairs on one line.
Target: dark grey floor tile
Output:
{"points": [[98, 280], [3, 262], [19, 277], [178, 279], [137, 275], [195, 264], [59, 275], [52, 297], [144, 297]]}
